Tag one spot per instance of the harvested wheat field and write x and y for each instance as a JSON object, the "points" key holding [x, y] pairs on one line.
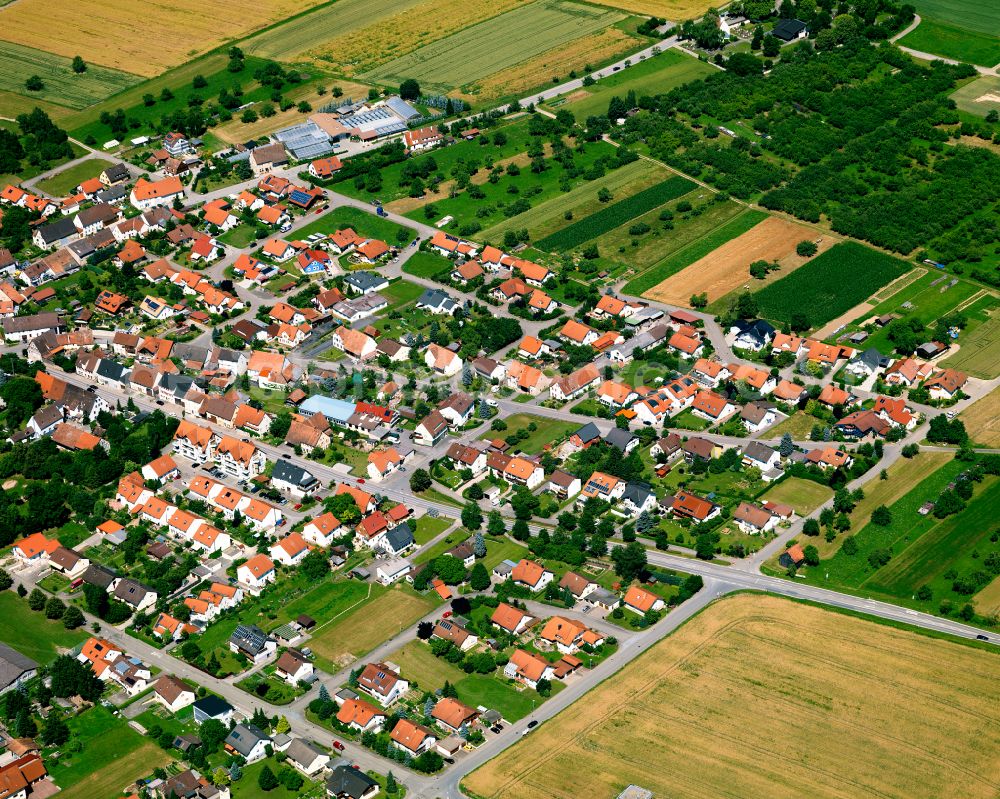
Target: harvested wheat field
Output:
{"points": [[759, 696], [727, 268], [982, 420], [676, 10], [115, 33]]}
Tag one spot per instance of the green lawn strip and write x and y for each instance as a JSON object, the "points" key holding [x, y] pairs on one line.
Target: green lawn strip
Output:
{"points": [[830, 284], [241, 236], [62, 183], [364, 224], [616, 214], [31, 634], [453, 539], [951, 41], [674, 263], [499, 551]]}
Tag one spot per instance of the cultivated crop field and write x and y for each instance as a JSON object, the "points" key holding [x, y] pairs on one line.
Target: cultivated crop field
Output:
{"points": [[120, 34], [980, 96], [618, 213], [496, 44], [759, 696], [547, 217], [982, 420], [978, 350], [829, 284], [410, 27], [668, 9], [727, 268], [656, 75], [604, 46], [291, 39], [960, 29], [733, 225], [62, 85]]}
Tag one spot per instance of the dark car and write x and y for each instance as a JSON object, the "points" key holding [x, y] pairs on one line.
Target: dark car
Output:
{"points": [[982, 638]]}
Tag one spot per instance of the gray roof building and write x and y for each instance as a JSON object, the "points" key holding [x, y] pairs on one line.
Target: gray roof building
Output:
{"points": [[346, 782], [15, 668]]}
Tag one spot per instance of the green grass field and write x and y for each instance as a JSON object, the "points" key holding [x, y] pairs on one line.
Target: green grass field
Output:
{"points": [[979, 96], [62, 85], [972, 15], [62, 183], [709, 240], [550, 216], [830, 284], [546, 432], [952, 41], [113, 755], [803, 495], [364, 224], [513, 37], [312, 29], [248, 788], [31, 633], [656, 75]]}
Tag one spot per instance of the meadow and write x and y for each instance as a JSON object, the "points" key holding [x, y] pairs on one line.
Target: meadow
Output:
{"points": [[738, 224], [734, 704], [655, 75], [829, 284], [670, 9], [619, 213], [120, 34], [363, 223], [519, 34], [62, 85], [546, 431], [803, 495], [358, 632]]}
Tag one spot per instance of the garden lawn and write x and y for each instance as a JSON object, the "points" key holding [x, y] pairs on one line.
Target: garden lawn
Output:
{"points": [[358, 632], [241, 236], [451, 540], [401, 292], [548, 431], [368, 225], [427, 265], [31, 633], [247, 787], [830, 284], [113, 756], [63, 183], [499, 551], [799, 425], [803, 495], [427, 527]]}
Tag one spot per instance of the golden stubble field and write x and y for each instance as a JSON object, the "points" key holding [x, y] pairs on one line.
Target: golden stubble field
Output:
{"points": [[727, 268], [144, 37], [759, 696]]}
